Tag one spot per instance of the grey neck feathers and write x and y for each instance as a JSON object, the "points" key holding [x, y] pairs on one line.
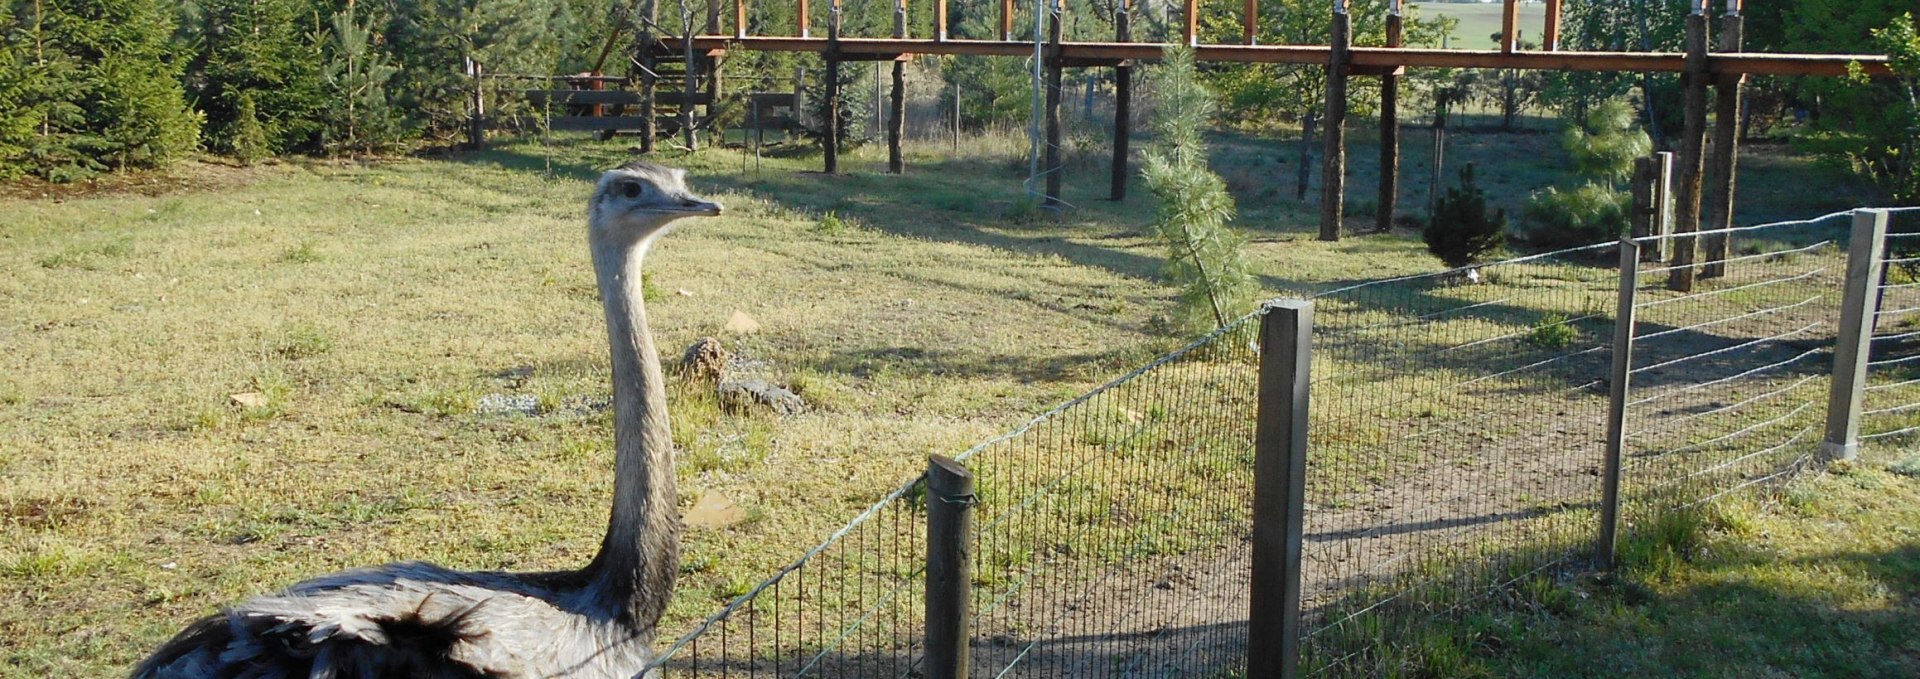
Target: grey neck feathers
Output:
{"points": [[633, 574]]}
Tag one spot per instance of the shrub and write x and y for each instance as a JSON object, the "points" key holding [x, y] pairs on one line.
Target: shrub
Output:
{"points": [[1582, 216], [1462, 230], [1552, 331]]}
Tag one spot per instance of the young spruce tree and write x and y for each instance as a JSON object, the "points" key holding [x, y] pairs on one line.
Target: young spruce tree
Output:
{"points": [[1203, 254]]}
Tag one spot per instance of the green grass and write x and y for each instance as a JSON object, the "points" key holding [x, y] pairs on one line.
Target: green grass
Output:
{"points": [[373, 306], [1817, 580]]}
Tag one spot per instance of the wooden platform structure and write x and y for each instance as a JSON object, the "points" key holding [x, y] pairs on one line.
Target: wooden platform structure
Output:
{"points": [[1703, 65]]}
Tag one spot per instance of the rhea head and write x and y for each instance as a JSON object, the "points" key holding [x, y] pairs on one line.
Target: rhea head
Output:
{"points": [[637, 202]]}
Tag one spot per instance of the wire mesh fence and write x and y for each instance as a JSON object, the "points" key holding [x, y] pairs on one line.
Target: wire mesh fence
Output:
{"points": [[1460, 427], [1891, 401], [1454, 416]]}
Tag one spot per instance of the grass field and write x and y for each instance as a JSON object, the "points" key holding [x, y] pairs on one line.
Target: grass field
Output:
{"points": [[376, 307], [1479, 22]]}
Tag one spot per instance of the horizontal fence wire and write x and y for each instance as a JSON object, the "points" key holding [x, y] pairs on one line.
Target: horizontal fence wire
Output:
{"points": [[1890, 413], [1730, 376], [1457, 428], [1456, 425]]}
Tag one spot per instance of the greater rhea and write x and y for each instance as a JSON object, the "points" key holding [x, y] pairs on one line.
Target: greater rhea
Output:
{"points": [[421, 620]]}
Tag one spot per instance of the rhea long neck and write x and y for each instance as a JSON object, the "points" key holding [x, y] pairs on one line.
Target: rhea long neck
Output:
{"points": [[634, 571]]}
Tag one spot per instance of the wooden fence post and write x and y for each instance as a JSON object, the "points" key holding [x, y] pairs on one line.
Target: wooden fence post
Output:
{"points": [[1726, 147], [649, 79], [1619, 376], [1053, 66], [897, 126], [1692, 161], [1389, 131], [477, 120], [1279, 490], [1854, 347], [832, 124], [1122, 102], [1651, 216], [950, 503], [1333, 168]]}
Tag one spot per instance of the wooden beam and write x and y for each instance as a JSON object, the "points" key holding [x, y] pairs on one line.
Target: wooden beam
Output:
{"points": [[1550, 37], [1006, 20], [1510, 27], [803, 18], [1744, 63]]}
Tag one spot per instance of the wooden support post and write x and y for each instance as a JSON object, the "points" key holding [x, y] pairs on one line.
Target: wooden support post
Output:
{"points": [[1651, 217], [1663, 166], [739, 19], [688, 135], [1250, 22], [939, 20], [1389, 130], [832, 123], [1692, 161], [1006, 20], [477, 116], [1510, 27], [1550, 36], [649, 81], [1617, 394], [1190, 24], [956, 117], [1859, 306], [1438, 175], [1728, 91], [1642, 214], [1053, 66], [950, 501], [1333, 171], [1122, 102], [897, 125], [800, 15], [1279, 490]]}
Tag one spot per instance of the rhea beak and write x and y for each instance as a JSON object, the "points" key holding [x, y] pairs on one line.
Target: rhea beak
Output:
{"points": [[698, 206]]}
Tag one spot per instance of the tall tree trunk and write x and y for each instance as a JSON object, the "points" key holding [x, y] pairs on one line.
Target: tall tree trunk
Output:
{"points": [[1306, 152]]}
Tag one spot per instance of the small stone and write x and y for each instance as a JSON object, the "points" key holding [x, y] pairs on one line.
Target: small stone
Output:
{"points": [[739, 396], [507, 404], [706, 360], [742, 324], [685, 292], [249, 399]]}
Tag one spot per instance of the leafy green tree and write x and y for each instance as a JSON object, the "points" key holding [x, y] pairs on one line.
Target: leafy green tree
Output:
{"points": [[1462, 230], [98, 85], [1204, 255]]}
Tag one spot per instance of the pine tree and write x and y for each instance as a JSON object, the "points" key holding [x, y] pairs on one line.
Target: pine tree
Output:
{"points": [[255, 50], [1204, 255], [356, 76], [1462, 229], [246, 137], [97, 86]]}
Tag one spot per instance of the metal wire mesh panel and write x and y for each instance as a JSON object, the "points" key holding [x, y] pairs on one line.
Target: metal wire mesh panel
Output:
{"points": [[1729, 379], [1891, 404], [1112, 534], [1454, 417], [851, 607]]}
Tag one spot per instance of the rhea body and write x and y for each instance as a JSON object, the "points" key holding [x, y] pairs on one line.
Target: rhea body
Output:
{"points": [[421, 620]]}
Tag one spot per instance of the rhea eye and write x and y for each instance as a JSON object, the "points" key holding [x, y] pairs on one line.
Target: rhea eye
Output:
{"points": [[630, 189]]}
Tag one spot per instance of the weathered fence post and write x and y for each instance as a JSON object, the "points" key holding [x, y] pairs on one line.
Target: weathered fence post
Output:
{"points": [[477, 117], [1389, 130], [1852, 350], [1279, 490], [1333, 163], [1122, 102], [1650, 215], [1053, 66], [949, 564], [1663, 205], [1692, 160], [1619, 376], [1728, 91], [831, 162], [897, 125]]}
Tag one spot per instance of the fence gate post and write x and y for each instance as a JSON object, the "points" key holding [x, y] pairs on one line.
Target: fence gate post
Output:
{"points": [[1852, 351], [1617, 392], [1279, 490], [949, 567]]}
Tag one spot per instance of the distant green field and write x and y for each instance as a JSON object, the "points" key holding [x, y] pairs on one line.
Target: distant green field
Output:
{"points": [[1480, 21]]}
